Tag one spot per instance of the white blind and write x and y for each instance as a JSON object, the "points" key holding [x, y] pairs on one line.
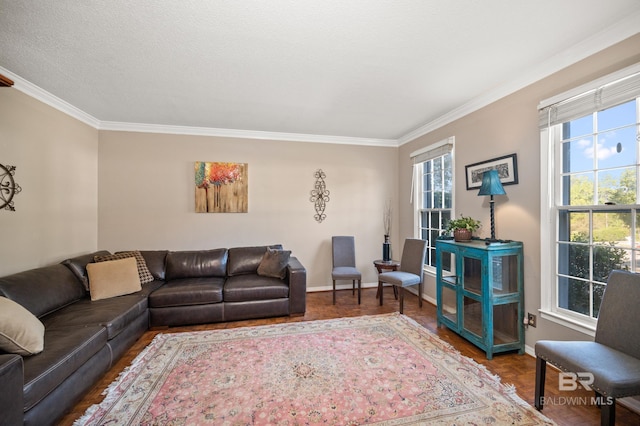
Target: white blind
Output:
{"points": [[605, 95], [436, 150]]}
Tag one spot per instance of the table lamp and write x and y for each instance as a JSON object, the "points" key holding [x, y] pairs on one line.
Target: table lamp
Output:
{"points": [[491, 186]]}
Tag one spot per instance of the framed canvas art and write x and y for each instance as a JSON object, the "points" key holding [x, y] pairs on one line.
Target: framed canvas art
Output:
{"points": [[221, 187]]}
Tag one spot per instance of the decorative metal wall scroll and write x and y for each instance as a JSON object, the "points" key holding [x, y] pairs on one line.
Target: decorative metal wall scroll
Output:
{"points": [[320, 195], [8, 187]]}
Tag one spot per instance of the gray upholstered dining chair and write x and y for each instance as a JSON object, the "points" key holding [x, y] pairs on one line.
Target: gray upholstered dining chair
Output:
{"points": [[343, 253], [410, 272], [612, 360]]}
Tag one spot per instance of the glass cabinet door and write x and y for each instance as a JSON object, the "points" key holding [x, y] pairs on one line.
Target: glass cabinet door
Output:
{"points": [[472, 316], [504, 274], [472, 274], [505, 323]]}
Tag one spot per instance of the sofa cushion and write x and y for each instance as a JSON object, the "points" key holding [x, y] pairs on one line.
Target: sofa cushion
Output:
{"points": [[155, 262], [66, 349], [78, 265], [248, 287], [20, 331], [143, 270], [55, 287], [115, 313], [188, 291], [245, 260], [196, 264], [113, 278], [274, 263]]}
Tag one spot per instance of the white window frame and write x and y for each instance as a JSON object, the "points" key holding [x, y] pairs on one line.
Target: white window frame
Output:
{"points": [[550, 198], [416, 188]]}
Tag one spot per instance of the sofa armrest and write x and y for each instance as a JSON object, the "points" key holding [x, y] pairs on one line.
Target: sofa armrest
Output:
{"points": [[11, 397], [297, 280]]}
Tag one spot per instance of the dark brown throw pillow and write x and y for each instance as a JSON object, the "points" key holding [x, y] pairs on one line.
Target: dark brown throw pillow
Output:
{"points": [[274, 263]]}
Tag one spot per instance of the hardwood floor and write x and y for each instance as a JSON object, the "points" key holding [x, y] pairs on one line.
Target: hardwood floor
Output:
{"points": [[515, 369]]}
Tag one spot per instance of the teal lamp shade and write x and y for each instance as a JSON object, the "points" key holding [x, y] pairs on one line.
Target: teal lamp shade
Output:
{"points": [[491, 184]]}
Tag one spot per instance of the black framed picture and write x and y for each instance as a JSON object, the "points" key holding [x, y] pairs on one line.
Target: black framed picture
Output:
{"points": [[506, 166]]}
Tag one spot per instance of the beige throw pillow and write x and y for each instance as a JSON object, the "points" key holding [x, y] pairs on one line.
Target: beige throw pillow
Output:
{"points": [[113, 278], [143, 270], [21, 332]]}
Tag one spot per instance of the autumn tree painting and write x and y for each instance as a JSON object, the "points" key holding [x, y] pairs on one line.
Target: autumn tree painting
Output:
{"points": [[221, 187]]}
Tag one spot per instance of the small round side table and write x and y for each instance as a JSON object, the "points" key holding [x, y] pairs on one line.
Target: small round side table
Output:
{"points": [[384, 266]]}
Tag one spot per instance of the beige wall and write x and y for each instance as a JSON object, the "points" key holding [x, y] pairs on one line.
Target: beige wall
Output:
{"points": [[508, 126], [146, 196], [56, 159]]}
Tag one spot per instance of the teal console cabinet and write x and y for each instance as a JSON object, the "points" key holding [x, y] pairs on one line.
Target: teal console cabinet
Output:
{"points": [[480, 295]]}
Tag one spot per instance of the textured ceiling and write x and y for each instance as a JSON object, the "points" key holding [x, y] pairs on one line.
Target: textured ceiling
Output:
{"points": [[373, 69]]}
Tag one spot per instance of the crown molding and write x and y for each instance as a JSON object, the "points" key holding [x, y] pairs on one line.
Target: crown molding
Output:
{"points": [[245, 134], [622, 30], [42, 95]]}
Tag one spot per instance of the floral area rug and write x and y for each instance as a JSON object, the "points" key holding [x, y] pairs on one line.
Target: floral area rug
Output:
{"points": [[382, 370]]}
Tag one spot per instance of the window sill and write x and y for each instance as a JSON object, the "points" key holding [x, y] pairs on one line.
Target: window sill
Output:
{"points": [[568, 322]]}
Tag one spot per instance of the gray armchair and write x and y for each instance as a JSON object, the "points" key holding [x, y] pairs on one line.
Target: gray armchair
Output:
{"points": [[410, 272], [343, 253], [613, 358]]}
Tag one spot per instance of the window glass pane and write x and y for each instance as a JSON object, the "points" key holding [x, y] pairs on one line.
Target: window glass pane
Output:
{"points": [[578, 296], [579, 260], [613, 227], [577, 155], [617, 186], [434, 219], [448, 182], [607, 257], [617, 116], [574, 226], [424, 219], [617, 148], [427, 201], [578, 189], [578, 127], [446, 217]]}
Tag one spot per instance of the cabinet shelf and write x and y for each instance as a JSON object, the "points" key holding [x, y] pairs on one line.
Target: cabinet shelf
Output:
{"points": [[479, 290]]}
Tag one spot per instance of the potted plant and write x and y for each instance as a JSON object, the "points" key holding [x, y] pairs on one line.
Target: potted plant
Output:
{"points": [[463, 228]]}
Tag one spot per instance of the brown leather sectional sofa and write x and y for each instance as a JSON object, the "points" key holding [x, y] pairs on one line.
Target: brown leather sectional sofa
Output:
{"points": [[84, 338]]}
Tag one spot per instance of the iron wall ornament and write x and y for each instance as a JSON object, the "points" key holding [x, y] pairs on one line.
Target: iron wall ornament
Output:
{"points": [[8, 187], [320, 195]]}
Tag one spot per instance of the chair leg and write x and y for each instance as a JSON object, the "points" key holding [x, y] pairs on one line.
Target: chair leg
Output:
{"points": [[420, 294], [359, 290], [608, 412], [334, 292], [541, 372], [401, 299], [353, 287]]}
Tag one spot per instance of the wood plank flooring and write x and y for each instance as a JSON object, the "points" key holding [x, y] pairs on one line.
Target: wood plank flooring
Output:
{"points": [[515, 369]]}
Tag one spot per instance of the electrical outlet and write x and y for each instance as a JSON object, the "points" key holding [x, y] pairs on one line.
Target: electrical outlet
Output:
{"points": [[531, 320]]}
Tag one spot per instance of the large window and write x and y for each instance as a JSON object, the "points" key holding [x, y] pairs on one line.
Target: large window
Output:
{"points": [[433, 171], [592, 164]]}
